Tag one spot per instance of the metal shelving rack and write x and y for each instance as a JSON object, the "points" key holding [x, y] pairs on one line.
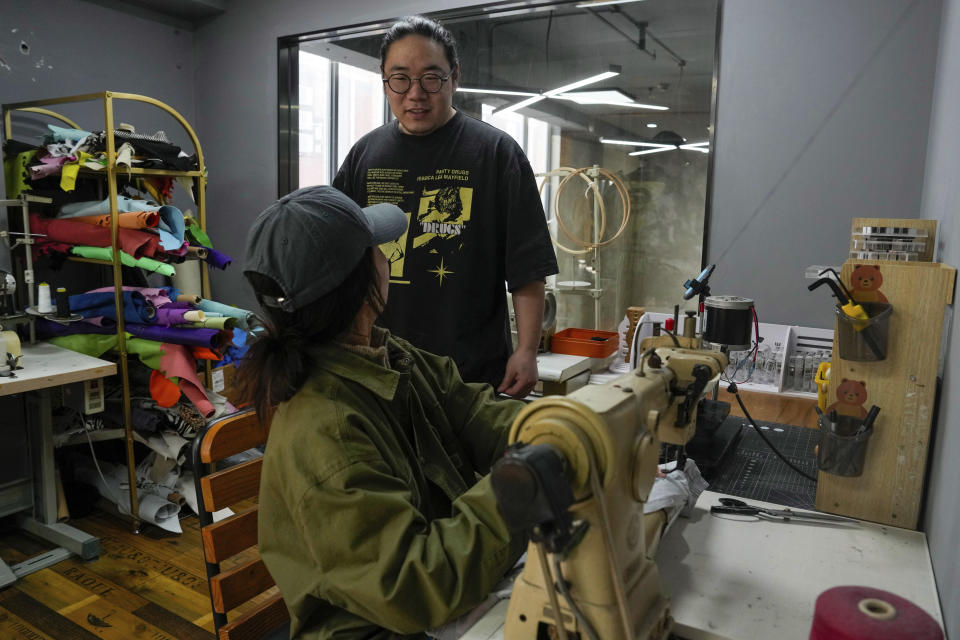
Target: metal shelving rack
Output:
{"points": [[110, 175]]}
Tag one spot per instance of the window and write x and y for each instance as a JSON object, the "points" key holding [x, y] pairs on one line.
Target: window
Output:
{"points": [[314, 128], [533, 136], [359, 106], [326, 87], [627, 88]]}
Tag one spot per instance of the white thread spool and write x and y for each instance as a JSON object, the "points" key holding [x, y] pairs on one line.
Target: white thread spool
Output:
{"points": [[44, 303]]}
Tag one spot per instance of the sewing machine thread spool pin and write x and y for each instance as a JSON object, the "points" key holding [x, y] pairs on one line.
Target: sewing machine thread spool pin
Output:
{"points": [[63, 303], [44, 303], [690, 324]]}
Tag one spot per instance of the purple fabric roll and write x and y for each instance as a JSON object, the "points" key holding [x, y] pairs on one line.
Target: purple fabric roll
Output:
{"points": [[101, 321], [210, 338], [168, 315], [50, 329], [217, 259]]}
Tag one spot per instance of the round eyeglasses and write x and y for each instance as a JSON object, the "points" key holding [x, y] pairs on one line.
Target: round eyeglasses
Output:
{"points": [[429, 82]]}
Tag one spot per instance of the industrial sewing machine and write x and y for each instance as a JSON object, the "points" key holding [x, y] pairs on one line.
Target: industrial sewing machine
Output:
{"points": [[576, 477]]}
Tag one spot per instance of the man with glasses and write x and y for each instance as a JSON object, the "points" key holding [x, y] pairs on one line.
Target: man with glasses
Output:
{"points": [[475, 216]]}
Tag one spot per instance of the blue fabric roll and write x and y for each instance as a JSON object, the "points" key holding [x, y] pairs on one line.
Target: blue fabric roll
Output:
{"points": [[242, 315], [136, 308], [171, 227]]}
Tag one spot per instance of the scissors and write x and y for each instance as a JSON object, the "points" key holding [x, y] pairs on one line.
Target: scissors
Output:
{"points": [[739, 507]]}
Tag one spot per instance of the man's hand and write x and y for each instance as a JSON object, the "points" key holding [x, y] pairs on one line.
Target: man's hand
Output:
{"points": [[521, 374]]}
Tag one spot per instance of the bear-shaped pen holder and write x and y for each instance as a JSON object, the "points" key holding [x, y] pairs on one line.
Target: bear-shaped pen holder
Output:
{"points": [[864, 340]]}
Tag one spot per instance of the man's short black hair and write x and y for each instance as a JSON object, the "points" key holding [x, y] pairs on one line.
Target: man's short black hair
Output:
{"points": [[420, 26]]}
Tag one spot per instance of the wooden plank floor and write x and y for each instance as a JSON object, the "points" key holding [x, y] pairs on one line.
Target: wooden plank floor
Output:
{"points": [[150, 585]]}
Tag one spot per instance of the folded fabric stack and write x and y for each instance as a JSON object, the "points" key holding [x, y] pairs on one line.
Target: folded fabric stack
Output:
{"points": [[64, 151], [168, 330], [151, 236]]}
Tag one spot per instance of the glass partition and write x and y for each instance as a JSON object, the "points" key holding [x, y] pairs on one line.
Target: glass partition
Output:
{"points": [[627, 87]]}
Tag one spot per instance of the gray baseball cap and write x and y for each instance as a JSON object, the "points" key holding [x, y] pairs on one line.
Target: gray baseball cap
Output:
{"points": [[310, 240]]}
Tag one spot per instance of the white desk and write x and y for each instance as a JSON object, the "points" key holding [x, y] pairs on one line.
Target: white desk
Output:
{"points": [[759, 579], [753, 579], [45, 366]]}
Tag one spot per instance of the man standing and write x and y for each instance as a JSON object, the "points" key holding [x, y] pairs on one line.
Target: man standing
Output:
{"points": [[475, 217]]}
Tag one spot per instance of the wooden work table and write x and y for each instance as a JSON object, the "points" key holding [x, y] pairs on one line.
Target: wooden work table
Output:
{"points": [[773, 407], [733, 578], [46, 366]]}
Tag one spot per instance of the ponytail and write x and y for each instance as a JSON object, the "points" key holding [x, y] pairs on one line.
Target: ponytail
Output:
{"points": [[280, 356], [273, 369]]}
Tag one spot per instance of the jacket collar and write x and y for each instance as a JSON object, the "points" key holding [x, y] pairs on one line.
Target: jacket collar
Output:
{"points": [[366, 366]]}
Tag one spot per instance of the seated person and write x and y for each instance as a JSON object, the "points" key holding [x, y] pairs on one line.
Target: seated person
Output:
{"points": [[373, 521]]}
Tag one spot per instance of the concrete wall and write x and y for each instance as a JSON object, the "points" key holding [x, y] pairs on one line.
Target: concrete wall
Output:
{"points": [[941, 200], [823, 114], [74, 48]]}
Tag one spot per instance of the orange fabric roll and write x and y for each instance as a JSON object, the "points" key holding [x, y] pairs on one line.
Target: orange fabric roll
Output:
{"points": [[130, 220]]}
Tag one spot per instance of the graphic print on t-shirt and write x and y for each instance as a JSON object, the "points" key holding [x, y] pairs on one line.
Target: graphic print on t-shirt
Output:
{"points": [[436, 225], [441, 219]]}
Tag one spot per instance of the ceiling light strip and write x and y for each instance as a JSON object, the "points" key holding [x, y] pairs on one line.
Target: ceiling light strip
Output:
{"points": [[499, 92], [601, 3], [520, 105], [661, 148], [583, 83]]}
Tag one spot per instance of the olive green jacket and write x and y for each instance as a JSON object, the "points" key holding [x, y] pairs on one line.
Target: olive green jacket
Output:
{"points": [[372, 520]]}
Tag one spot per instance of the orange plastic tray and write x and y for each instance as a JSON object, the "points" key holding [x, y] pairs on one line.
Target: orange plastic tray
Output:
{"points": [[584, 342]]}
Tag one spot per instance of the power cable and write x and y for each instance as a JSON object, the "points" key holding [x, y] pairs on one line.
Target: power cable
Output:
{"points": [[736, 394]]}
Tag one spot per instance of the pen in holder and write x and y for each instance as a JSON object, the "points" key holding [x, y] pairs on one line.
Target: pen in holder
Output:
{"points": [[843, 442]]}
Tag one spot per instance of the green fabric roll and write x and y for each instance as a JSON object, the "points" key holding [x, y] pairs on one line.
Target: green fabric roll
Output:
{"points": [[106, 253], [149, 351], [199, 235], [91, 344], [16, 173]]}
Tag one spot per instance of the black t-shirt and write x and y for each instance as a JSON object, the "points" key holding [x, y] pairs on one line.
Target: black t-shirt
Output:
{"points": [[476, 222]]}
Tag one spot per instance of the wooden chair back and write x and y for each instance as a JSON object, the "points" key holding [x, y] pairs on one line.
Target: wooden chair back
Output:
{"points": [[240, 589]]}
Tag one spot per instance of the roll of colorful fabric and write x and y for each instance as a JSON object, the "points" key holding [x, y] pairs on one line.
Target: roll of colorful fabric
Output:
{"points": [[106, 253], [138, 244], [217, 259], [136, 308], [50, 329], [224, 323], [243, 316], [130, 220], [210, 338]]}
